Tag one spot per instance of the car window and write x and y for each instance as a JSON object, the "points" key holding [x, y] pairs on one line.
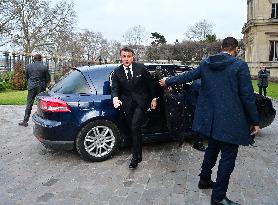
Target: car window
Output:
{"points": [[100, 79], [72, 83]]}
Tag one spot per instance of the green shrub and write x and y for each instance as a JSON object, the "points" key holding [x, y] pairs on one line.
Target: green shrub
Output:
{"points": [[58, 75], [2, 86], [5, 80]]}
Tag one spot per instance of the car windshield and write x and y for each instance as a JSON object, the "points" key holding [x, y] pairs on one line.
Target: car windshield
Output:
{"points": [[72, 83]]}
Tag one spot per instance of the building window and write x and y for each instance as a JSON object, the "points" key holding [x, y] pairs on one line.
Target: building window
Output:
{"points": [[273, 51], [274, 11]]}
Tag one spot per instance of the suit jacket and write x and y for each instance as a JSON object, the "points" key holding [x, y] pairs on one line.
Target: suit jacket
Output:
{"points": [[139, 89], [226, 103], [37, 75], [263, 78]]}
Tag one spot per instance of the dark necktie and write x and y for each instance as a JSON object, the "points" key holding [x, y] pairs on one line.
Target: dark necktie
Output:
{"points": [[129, 76]]}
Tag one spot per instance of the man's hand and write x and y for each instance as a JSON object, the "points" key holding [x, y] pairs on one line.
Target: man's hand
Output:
{"points": [[162, 81], [153, 104], [254, 129], [116, 102]]}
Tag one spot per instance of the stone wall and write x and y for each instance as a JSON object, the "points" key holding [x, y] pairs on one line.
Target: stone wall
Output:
{"points": [[259, 30]]}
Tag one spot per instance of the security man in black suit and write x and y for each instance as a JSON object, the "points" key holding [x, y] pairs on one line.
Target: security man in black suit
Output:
{"points": [[133, 91], [37, 75]]}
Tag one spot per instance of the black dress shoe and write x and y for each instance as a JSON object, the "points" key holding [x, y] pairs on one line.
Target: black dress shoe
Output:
{"points": [[224, 201], [24, 124], [205, 184], [133, 164], [199, 146]]}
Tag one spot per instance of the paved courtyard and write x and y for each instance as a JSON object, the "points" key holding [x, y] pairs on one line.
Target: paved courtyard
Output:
{"points": [[168, 174]]}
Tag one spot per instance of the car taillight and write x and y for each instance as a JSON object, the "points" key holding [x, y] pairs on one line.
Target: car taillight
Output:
{"points": [[53, 105]]}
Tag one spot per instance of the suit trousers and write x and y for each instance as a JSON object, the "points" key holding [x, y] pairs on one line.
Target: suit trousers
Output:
{"points": [[32, 93], [135, 120], [225, 167], [262, 88]]}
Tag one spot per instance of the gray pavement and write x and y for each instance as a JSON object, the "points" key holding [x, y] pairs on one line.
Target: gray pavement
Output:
{"points": [[31, 174]]}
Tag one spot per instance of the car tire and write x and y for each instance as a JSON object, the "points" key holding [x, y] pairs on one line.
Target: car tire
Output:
{"points": [[98, 140]]}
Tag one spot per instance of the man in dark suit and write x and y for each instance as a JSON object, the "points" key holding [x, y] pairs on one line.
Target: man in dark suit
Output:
{"points": [[133, 91], [263, 75], [37, 75], [226, 113]]}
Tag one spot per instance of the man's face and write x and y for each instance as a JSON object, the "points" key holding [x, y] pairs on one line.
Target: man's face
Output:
{"points": [[126, 58]]}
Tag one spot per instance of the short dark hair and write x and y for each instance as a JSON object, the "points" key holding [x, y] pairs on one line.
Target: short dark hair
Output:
{"points": [[37, 57], [127, 49], [229, 44]]}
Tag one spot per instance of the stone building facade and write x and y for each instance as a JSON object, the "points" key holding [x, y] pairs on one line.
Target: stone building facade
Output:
{"points": [[261, 36]]}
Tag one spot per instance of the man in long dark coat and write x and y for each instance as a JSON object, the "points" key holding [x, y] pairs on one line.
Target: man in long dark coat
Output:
{"points": [[226, 113]]}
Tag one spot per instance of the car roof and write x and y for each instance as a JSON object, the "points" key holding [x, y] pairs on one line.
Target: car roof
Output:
{"points": [[150, 66], [98, 74], [96, 67]]}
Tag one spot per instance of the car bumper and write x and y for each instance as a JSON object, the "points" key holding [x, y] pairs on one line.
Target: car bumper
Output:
{"points": [[54, 134], [57, 145]]}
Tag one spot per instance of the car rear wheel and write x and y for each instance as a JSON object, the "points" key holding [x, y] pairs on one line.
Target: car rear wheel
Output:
{"points": [[98, 140]]}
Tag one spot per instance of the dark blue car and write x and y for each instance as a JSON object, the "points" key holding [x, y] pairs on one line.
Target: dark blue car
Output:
{"points": [[77, 112]]}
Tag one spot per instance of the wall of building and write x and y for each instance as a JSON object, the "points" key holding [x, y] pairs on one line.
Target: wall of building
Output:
{"points": [[259, 30]]}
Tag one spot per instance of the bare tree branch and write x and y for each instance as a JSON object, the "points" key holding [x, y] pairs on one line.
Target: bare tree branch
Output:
{"points": [[35, 24], [136, 37], [199, 31]]}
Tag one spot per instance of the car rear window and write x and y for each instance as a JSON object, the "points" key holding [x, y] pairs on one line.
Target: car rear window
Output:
{"points": [[72, 83]]}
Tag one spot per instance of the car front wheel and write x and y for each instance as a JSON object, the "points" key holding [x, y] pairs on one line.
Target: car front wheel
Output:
{"points": [[98, 140]]}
